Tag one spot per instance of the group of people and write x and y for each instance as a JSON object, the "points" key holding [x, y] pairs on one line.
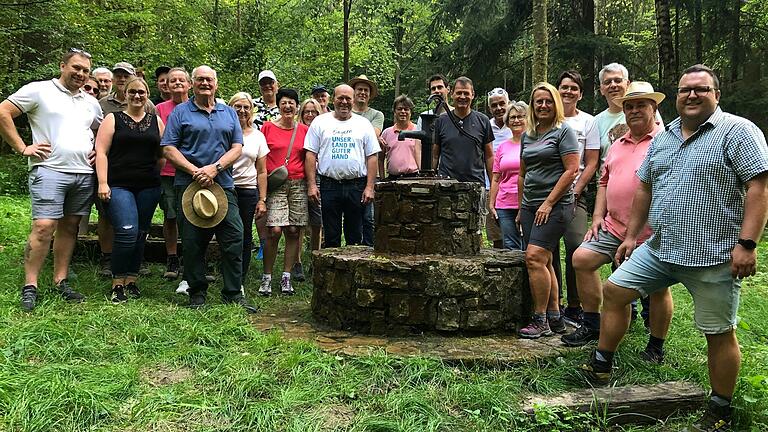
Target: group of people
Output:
{"points": [[687, 201]]}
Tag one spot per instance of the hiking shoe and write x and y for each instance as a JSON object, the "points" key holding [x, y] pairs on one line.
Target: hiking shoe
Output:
{"points": [[715, 419], [67, 293], [297, 273], [535, 330], [28, 297], [144, 269], [133, 290], [105, 266], [118, 294], [581, 336], [182, 288], [240, 300], [573, 316], [557, 325], [210, 278], [266, 287], [598, 373], [652, 356], [285, 286], [196, 301], [171, 268]]}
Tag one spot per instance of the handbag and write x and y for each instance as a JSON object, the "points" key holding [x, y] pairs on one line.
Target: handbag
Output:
{"points": [[279, 175]]}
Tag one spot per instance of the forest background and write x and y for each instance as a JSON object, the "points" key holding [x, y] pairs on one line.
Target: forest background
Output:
{"points": [[399, 43]]}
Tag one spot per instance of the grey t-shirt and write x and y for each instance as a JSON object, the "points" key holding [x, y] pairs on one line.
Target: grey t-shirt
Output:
{"points": [[374, 116], [461, 157], [542, 156]]}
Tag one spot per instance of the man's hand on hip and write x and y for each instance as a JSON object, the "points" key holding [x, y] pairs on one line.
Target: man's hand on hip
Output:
{"points": [[42, 151]]}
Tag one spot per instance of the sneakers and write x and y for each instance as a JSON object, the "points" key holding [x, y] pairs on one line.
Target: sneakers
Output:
{"points": [[297, 273], [171, 268], [581, 336], [535, 330], [573, 316], [28, 297], [557, 325], [67, 293], [597, 373], [652, 356], [240, 300], [133, 290], [285, 285], [105, 266], [118, 294], [715, 419], [266, 286], [196, 301], [182, 288], [144, 269]]}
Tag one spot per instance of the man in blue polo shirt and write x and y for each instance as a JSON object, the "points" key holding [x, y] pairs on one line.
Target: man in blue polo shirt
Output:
{"points": [[202, 140]]}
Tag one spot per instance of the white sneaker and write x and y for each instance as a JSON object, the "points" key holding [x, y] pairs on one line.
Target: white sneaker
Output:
{"points": [[183, 287], [266, 287], [285, 285]]}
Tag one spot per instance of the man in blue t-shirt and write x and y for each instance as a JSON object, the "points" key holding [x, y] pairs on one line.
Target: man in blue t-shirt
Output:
{"points": [[202, 140]]}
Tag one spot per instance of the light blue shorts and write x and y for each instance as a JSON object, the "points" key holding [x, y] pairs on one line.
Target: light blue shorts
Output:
{"points": [[715, 292]]}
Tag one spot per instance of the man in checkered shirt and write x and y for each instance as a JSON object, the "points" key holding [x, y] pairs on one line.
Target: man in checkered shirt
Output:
{"points": [[704, 191]]}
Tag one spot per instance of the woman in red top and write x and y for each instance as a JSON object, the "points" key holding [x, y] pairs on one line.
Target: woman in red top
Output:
{"points": [[286, 205]]}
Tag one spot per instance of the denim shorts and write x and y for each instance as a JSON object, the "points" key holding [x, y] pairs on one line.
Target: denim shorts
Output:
{"points": [[715, 292], [57, 194]]}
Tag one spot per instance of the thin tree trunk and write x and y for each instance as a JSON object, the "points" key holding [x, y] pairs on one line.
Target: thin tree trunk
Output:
{"points": [[347, 10], [540, 41], [677, 38], [735, 40], [664, 36], [698, 31]]}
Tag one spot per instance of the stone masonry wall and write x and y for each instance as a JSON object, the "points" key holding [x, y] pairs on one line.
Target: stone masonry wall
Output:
{"points": [[427, 216], [356, 289]]}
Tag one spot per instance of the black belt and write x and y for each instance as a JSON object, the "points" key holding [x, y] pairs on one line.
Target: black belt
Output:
{"points": [[343, 181]]}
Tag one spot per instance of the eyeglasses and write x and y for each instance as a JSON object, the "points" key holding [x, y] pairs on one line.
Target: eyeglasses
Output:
{"points": [[609, 81], [80, 52], [516, 117], [497, 92], [239, 107], [700, 91], [134, 92]]}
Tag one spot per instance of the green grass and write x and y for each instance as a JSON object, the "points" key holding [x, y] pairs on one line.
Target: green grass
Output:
{"points": [[151, 365]]}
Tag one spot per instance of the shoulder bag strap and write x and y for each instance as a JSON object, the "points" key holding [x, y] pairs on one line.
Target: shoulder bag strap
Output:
{"points": [[290, 146]]}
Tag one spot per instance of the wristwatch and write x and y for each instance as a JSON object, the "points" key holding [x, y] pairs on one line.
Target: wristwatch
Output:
{"points": [[747, 244], [219, 168]]}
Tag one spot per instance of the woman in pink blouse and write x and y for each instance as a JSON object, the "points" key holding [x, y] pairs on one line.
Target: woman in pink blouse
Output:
{"points": [[506, 167]]}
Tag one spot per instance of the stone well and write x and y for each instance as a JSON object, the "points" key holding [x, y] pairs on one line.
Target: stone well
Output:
{"points": [[426, 271]]}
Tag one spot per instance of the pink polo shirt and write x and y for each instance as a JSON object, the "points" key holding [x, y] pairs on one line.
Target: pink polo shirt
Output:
{"points": [[618, 177], [506, 162], [401, 155], [164, 109]]}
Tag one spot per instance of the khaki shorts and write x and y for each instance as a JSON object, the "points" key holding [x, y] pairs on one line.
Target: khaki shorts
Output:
{"points": [[288, 204]]}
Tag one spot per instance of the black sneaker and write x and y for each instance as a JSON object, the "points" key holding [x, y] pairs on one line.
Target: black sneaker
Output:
{"points": [[715, 419], [240, 300], [573, 316], [581, 336], [144, 269], [196, 301], [172, 268], [118, 294], [598, 373], [67, 293], [557, 325], [297, 273], [105, 266], [133, 290], [652, 356], [28, 297]]}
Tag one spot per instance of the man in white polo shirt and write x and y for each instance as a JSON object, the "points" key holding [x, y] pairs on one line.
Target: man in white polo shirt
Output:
{"points": [[346, 147], [63, 119]]}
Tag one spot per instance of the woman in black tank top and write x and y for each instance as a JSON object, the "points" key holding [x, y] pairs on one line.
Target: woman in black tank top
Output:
{"points": [[128, 171]]}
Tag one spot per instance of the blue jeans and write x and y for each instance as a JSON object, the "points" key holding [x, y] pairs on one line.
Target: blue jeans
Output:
{"points": [[368, 225], [130, 212], [341, 202], [246, 202], [510, 235]]}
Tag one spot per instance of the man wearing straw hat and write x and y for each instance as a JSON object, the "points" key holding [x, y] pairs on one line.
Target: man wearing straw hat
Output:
{"points": [[202, 140]]}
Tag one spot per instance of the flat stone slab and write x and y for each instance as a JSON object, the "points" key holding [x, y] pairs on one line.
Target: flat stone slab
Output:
{"points": [[295, 323], [650, 403]]}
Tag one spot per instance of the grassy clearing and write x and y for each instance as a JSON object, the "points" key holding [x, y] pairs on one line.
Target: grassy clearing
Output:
{"points": [[151, 365]]}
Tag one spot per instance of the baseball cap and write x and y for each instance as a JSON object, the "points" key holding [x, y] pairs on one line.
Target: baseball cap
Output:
{"points": [[318, 89], [161, 70], [267, 74], [124, 66]]}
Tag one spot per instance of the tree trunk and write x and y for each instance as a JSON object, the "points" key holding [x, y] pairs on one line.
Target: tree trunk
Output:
{"points": [[735, 40], [540, 41], [697, 32], [666, 54], [399, 30], [587, 62], [677, 38], [347, 10]]}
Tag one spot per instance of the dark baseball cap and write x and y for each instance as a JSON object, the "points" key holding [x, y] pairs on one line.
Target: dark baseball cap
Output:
{"points": [[161, 70], [318, 89]]}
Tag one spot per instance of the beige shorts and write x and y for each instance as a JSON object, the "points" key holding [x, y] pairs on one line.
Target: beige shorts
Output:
{"points": [[288, 204]]}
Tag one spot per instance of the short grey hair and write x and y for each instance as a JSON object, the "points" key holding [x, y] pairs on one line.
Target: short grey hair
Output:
{"points": [[194, 71], [613, 67], [182, 70], [102, 70], [517, 106]]}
